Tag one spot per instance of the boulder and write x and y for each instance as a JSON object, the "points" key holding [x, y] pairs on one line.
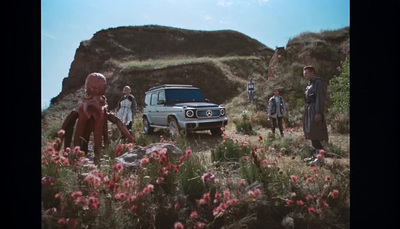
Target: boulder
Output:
{"points": [[131, 160]]}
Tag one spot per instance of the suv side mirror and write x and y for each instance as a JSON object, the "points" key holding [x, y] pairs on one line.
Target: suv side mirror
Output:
{"points": [[207, 100], [161, 101]]}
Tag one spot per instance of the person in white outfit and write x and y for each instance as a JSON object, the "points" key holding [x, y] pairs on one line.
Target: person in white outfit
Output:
{"points": [[126, 108]]}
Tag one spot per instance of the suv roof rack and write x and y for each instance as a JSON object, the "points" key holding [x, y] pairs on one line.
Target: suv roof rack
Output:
{"points": [[170, 85]]}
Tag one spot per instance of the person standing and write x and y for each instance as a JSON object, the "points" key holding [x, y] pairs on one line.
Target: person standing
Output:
{"points": [[126, 108], [251, 89], [276, 111], [314, 122]]}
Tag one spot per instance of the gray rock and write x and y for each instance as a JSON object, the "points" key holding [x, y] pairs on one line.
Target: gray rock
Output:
{"points": [[131, 160]]}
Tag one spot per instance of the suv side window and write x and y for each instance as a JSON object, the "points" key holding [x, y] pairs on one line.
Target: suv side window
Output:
{"points": [[161, 96], [147, 100], [154, 99]]}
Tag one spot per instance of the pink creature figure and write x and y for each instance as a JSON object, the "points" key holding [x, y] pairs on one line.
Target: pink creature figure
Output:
{"points": [[92, 115]]}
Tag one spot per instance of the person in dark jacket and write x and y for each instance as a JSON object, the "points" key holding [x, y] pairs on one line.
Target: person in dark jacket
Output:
{"points": [[314, 122], [126, 108], [276, 111]]}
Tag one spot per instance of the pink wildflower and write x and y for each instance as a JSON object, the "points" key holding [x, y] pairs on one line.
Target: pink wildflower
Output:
{"points": [[178, 225], [244, 158], [119, 167], [293, 178], [77, 151], [144, 160], [163, 159], [311, 210], [60, 133], [126, 183], [257, 192], [233, 201], [188, 152], [76, 194], [131, 198], [133, 208], [159, 180], [335, 193], [264, 163], [309, 197], [270, 148], [118, 150], [314, 169], [328, 178], [227, 194], [289, 202], [300, 202], [208, 178], [198, 225], [120, 196], [322, 203], [242, 182], [194, 215], [81, 201]]}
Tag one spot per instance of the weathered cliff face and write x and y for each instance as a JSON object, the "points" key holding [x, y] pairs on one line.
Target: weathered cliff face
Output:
{"points": [[324, 50], [143, 43]]}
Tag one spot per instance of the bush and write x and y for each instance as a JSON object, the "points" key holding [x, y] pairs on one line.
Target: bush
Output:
{"points": [[230, 150], [339, 88], [245, 124]]}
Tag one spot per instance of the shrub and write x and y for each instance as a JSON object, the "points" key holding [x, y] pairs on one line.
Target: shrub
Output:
{"points": [[339, 88], [230, 150], [244, 124]]}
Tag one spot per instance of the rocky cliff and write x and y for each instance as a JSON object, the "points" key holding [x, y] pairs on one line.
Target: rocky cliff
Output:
{"points": [[219, 61]]}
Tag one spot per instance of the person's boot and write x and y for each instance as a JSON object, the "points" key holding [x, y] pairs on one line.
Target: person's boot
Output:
{"points": [[313, 156], [319, 159]]}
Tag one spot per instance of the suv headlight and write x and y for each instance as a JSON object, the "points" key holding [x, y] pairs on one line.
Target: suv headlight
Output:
{"points": [[189, 113], [222, 112]]}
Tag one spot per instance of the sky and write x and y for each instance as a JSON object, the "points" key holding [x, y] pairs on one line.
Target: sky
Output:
{"points": [[65, 23]]}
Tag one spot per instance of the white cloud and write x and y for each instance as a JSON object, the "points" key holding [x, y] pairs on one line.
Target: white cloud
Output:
{"points": [[224, 3], [262, 1], [48, 35], [224, 22], [207, 17]]}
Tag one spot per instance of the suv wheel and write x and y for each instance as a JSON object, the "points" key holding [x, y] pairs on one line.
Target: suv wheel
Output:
{"points": [[146, 126], [173, 127]]}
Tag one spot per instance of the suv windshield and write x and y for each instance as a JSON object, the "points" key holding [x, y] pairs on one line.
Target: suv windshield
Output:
{"points": [[184, 95]]}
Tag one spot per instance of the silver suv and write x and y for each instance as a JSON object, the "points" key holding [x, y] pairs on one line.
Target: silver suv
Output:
{"points": [[181, 108]]}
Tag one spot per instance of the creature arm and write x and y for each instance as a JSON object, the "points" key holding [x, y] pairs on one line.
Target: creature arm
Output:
{"points": [[68, 127], [115, 120]]}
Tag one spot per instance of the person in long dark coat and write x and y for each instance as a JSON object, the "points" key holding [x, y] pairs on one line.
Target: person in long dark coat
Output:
{"points": [[314, 122]]}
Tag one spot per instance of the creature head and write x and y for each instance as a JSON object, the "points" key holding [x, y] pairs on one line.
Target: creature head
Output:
{"points": [[95, 84], [94, 101]]}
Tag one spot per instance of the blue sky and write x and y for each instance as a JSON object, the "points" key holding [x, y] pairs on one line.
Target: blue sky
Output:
{"points": [[65, 23]]}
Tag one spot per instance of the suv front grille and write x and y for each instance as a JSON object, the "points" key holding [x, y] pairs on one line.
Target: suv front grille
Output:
{"points": [[208, 113]]}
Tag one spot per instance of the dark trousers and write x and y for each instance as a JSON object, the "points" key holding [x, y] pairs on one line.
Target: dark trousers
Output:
{"points": [[129, 127], [316, 144], [280, 125]]}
